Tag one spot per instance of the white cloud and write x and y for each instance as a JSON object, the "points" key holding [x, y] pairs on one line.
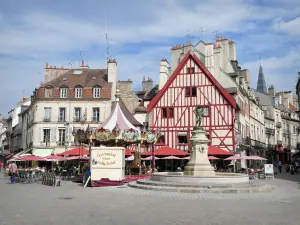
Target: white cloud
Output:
{"points": [[33, 35], [290, 27]]}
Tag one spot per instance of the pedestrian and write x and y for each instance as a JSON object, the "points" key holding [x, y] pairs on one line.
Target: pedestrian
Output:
{"points": [[1, 166], [12, 170], [279, 166]]}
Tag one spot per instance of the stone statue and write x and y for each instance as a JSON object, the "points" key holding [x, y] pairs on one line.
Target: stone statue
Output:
{"points": [[199, 112]]}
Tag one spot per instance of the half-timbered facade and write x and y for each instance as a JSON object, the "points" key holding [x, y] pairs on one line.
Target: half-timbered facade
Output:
{"points": [[172, 109]]}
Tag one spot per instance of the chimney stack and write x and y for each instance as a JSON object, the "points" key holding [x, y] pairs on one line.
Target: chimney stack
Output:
{"points": [[46, 64], [82, 63]]}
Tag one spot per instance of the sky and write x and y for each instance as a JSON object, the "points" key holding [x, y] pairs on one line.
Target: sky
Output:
{"points": [[141, 33]]}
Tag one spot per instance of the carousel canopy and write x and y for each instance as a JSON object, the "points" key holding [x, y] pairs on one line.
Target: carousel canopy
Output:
{"points": [[120, 116]]}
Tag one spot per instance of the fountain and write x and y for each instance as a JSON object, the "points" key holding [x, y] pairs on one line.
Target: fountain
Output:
{"points": [[199, 175]]}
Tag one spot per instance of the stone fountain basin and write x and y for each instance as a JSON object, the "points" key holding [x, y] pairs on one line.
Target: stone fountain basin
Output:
{"points": [[222, 179]]}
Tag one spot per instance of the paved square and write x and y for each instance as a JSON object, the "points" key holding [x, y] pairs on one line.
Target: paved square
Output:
{"points": [[30, 204]]}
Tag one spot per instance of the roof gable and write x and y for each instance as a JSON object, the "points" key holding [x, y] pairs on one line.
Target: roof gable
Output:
{"points": [[205, 71]]}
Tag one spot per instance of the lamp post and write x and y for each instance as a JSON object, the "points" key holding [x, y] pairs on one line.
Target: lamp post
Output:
{"points": [[151, 138]]}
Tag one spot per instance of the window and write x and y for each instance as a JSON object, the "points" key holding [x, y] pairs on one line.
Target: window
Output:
{"points": [[64, 92], [161, 140], [182, 139], [48, 92], [46, 136], [168, 112], [77, 114], [78, 92], [61, 136], [96, 92], [47, 116], [190, 92], [190, 70], [96, 114], [62, 114]]}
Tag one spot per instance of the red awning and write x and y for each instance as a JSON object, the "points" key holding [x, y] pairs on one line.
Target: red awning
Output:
{"points": [[166, 151], [214, 150], [129, 152], [75, 152]]}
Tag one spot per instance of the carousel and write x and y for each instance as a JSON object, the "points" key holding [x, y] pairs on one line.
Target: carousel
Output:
{"points": [[118, 132]]}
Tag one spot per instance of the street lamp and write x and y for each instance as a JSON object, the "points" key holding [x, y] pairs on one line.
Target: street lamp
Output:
{"points": [[151, 138]]}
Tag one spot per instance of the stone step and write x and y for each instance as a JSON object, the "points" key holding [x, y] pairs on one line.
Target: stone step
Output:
{"points": [[211, 186], [262, 188]]}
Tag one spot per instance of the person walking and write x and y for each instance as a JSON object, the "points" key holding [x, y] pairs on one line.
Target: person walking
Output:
{"points": [[12, 170], [279, 166], [1, 164]]}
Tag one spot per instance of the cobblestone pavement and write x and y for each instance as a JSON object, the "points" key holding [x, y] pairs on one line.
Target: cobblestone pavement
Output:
{"points": [[30, 204]]}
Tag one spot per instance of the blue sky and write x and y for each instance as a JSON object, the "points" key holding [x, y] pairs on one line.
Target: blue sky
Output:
{"points": [[34, 32]]}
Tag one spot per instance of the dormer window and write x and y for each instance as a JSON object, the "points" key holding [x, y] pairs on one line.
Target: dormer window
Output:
{"points": [[78, 92], [96, 92], [48, 92], [64, 92]]}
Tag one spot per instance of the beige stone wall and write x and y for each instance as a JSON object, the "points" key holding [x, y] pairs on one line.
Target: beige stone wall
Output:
{"points": [[127, 96]]}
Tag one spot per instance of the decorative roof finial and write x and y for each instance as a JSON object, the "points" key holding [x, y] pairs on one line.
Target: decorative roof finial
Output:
{"points": [[117, 95]]}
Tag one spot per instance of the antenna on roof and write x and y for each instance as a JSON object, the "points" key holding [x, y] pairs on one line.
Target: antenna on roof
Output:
{"points": [[189, 36], [216, 32], [260, 58], [107, 41], [80, 57], [201, 32]]}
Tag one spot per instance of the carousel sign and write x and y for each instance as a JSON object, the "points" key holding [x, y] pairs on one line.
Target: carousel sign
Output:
{"points": [[104, 159]]}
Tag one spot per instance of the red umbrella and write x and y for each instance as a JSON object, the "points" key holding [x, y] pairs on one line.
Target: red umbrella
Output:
{"points": [[77, 158], [213, 157], [31, 158], [75, 152], [53, 158]]}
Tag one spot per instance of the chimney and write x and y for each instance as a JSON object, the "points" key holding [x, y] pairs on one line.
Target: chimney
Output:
{"points": [[82, 63], [163, 73], [271, 90], [112, 75], [147, 84], [46, 65]]}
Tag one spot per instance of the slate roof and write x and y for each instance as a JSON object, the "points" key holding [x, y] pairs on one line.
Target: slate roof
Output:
{"points": [[88, 78]]}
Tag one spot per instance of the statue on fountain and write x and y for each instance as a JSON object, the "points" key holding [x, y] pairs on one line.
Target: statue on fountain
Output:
{"points": [[199, 112]]}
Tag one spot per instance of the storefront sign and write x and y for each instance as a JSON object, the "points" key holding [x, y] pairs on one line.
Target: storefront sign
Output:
{"points": [[269, 169], [104, 159]]}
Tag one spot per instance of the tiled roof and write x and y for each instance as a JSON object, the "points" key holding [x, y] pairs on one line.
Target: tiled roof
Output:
{"points": [[293, 108], [88, 78]]}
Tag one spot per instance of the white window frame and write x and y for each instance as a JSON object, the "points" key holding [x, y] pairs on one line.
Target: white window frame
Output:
{"points": [[96, 114], [96, 92], [63, 92], [61, 138], [45, 139], [48, 92], [78, 92]]}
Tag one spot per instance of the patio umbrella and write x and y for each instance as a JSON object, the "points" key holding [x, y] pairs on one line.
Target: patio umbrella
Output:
{"points": [[255, 157], [77, 158], [130, 158], [213, 157], [186, 157], [150, 158], [54, 158], [171, 157], [31, 158], [234, 157]]}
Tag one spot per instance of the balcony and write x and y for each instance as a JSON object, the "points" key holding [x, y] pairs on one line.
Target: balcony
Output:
{"points": [[95, 119], [79, 119], [270, 131], [61, 143], [279, 142], [257, 144], [286, 132], [61, 119], [278, 124], [47, 119]]}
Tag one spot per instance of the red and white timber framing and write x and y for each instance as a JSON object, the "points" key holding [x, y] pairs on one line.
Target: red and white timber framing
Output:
{"points": [[173, 107]]}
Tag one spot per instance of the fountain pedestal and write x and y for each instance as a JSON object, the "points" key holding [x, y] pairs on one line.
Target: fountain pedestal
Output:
{"points": [[199, 164]]}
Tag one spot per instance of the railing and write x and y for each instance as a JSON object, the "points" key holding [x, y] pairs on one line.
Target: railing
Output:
{"points": [[79, 119], [95, 118], [61, 143], [279, 142], [270, 131], [61, 119], [278, 124], [46, 119]]}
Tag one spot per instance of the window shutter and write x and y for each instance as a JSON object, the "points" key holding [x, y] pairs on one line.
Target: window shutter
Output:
{"points": [[40, 134], [51, 134], [70, 136], [54, 133]]}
